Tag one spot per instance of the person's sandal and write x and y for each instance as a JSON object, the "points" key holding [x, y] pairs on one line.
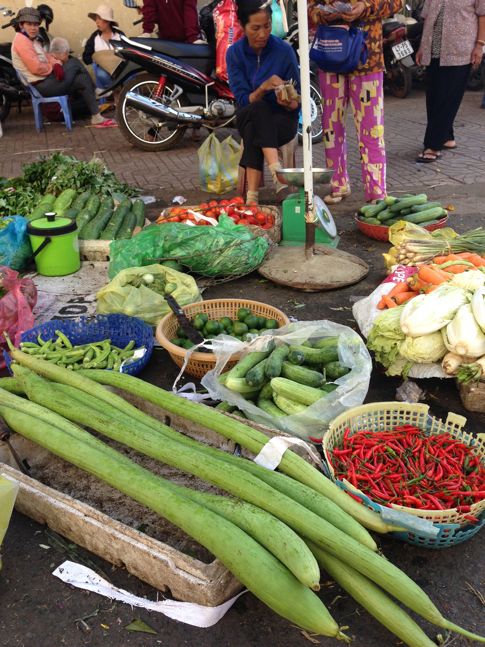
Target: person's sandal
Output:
{"points": [[427, 157], [335, 198]]}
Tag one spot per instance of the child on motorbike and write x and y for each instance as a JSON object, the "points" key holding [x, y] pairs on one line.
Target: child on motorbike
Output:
{"points": [[259, 65]]}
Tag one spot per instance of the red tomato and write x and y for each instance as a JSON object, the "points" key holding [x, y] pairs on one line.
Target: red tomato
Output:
{"points": [[212, 203], [266, 226], [261, 218], [238, 200], [173, 219], [234, 219], [224, 203], [252, 220], [230, 211], [243, 221], [211, 213], [203, 205]]}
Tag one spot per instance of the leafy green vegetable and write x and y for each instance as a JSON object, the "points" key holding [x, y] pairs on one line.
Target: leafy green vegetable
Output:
{"points": [[425, 349], [386, 336], [58, 172]]}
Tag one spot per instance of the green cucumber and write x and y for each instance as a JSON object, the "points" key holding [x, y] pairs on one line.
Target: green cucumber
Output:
{"points": [[302, 375], [404, 203], [424, 207], [80, 200], [371, 210], [290, 407], [423, 216], [138, 208], [334, 370], [247, 362], [303, 355], [94, 227], [269, 407], [127, 226], [306, 395], [384, 215], [266, 392], [256, 375], [64, 201], [275, 361]]}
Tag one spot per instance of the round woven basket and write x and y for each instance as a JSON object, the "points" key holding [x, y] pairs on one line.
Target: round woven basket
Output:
{"points": [[453, 527], [201, 363], [381, 232]]}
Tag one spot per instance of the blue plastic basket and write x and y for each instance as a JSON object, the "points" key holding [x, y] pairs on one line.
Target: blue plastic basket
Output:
{"points": [[121, 329]]}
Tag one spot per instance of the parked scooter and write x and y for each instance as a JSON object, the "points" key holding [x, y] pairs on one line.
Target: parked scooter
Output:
{"points": [[398, 59], [167, 87], [11, 89]]}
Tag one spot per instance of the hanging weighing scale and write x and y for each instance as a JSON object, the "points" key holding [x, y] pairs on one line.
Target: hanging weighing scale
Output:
{"points": [[307, 259], [293, 230]]}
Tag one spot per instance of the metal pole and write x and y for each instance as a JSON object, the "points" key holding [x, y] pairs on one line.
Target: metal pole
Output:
{"points": [[306, 118]]}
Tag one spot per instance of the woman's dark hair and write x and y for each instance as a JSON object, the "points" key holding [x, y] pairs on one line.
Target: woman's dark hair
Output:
{"points": [[246, 8]]}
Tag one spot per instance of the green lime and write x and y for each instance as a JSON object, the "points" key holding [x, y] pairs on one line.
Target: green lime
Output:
{"points": [[212, 328], [226, 322], [198, 322], [180, 333], [177, 341], [240, 328], [254, 331], [271, 324], [242, 313], [202, 316], [186, 343], [251, 321]]}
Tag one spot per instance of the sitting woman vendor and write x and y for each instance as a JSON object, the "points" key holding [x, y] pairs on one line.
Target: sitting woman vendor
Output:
{"points": [[258, 65]]}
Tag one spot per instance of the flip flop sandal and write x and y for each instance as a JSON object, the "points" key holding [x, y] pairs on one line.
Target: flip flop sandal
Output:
{"points": [[450, 148], [427, 158], [107, 123], [335, 198]]}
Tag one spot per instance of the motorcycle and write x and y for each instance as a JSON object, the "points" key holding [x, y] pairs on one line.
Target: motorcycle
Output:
{"points": [[11, 89], [167, 87], [398, 59]]}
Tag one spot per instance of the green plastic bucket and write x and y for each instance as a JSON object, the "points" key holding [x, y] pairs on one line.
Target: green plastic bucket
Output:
{"points": [[55, 245]]}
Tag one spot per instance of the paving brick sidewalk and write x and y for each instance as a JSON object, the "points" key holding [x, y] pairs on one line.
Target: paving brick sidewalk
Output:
{"points": [[176, 171]]}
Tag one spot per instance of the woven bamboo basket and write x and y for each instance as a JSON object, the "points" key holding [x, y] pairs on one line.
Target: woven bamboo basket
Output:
{"points": [[273, 234], [379, 416], [201, 363], [473, 396]]}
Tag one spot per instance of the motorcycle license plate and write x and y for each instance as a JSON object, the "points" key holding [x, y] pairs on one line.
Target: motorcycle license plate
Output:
{"points": [[401, 50]]}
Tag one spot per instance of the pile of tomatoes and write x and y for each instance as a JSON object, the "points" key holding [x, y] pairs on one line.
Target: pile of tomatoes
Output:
{"points": [[235, 208]]}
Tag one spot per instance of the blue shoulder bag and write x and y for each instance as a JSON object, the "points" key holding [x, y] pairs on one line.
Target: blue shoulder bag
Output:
{"points": [[339, 49]]}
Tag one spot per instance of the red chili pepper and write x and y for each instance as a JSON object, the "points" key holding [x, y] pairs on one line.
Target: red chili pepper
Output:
{"points": [[471, 518]]}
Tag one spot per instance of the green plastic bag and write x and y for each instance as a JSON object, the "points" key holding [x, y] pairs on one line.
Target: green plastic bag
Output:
{"points": [[218, 164], [223, 250], [119, 296]]}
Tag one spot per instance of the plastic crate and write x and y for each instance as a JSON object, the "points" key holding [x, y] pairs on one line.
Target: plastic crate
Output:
{"points": [[452, 527], [121, 329]]}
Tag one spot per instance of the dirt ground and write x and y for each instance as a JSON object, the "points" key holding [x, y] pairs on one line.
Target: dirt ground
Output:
{"points": [[38, 610]]}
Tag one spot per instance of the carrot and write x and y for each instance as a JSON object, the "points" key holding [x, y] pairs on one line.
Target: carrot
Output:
{"points": [[446, 275], [428, 275], [477, 260], [389, 302], [398, 289], [381, 305], [458, 268], [439, 260], [403, 297], [415, 283]]}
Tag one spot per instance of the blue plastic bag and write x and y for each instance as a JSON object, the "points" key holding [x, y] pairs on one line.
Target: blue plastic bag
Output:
{"points": [[339, 49], [15, 248]]}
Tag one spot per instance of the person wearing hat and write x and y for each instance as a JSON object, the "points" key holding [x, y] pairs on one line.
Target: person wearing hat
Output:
{"points": [[53, 74], [99, 41]]}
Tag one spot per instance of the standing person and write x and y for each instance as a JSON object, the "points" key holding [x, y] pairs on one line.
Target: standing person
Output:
{"points": [[452, 41], [176, 20], [99, 41], [258, 64], [53, 74], [364, 90]]}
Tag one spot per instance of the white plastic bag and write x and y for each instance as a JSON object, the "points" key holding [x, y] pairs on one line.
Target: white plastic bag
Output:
{"points": [[312, 423]]}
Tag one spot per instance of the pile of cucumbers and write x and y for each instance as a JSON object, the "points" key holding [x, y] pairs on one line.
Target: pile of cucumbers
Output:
{"points": [[285, 380], [96, 218], [411, 208], [246, 323]]}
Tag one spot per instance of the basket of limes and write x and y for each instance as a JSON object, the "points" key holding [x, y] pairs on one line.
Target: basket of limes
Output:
{"points": [[235, 317]]}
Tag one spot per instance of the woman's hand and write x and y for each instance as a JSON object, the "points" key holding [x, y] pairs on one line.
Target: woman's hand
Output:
{"points": [[272, 83], [289, 104], [419, 57], [357, 11], [477, 55]]}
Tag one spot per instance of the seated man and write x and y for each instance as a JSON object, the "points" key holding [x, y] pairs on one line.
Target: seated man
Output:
{"points": [[53, 73]]}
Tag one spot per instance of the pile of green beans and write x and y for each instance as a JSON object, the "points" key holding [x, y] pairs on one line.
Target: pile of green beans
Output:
{"points": [[61, 351]]}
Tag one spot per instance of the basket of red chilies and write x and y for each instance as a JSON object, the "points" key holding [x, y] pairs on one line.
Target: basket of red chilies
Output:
{"points": [[423, 475]]}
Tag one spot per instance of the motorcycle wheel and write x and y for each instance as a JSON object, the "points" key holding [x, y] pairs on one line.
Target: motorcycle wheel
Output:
{"points": [[141, 129], [5, 105], [316, 115], [399, 81]]}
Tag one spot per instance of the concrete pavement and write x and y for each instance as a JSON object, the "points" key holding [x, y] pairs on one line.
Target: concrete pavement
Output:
{"points": [[174, 172]]}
